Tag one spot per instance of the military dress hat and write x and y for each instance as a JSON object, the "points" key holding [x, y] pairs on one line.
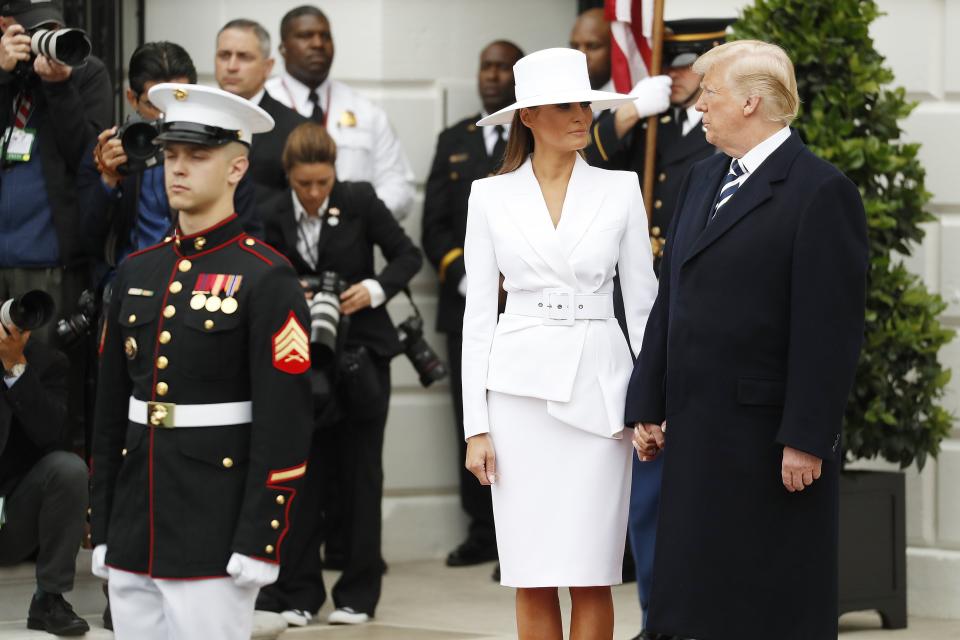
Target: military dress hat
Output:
{"points": [[31, 13], [686, 40], [553, 76], [206, 116]]}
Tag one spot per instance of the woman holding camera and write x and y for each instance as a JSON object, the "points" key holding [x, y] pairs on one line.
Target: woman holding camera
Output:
{"points": [[327, 227]]}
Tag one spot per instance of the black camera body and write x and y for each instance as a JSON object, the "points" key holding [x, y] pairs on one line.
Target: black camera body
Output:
{"points": [[424, 359], [136, 136], [73, 327]]}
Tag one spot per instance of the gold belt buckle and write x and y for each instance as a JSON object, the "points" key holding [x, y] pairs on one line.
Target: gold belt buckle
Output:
{"points": [[160, 414]]}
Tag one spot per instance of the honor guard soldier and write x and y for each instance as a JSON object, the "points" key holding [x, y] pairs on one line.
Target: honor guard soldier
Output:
{"points": [[466, 153], [619, 138], [203, 409]]}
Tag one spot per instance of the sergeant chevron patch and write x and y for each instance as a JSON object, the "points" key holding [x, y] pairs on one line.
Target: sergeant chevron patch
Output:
{"points": [[291, 348]]}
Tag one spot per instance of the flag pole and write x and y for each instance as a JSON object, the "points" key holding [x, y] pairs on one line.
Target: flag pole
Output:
{"points": [[650, 157]]}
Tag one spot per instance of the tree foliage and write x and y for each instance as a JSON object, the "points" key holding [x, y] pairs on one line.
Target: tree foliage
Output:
{"points": [[850, 117]]}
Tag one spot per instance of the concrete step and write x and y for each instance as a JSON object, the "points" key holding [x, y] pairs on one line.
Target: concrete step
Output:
{"points": [[18, 583]]}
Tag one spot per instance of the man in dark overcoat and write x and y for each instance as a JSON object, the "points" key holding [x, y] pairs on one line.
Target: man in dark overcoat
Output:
{"points": [[747, 362]]}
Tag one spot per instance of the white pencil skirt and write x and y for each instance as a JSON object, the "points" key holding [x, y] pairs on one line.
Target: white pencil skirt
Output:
{"points": [[560, 500]]}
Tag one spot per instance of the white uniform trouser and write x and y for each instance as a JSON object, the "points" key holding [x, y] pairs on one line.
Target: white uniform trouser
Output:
{"points": [[209, 609]]}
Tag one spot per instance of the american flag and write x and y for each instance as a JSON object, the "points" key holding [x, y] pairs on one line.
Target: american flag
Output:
{"points": [[631, 50]]}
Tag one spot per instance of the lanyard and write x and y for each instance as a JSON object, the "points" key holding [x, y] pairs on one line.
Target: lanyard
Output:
{"points": [[23, 108], [293, 103]]}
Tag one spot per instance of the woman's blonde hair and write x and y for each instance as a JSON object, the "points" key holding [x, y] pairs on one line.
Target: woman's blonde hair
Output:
{"points": [[756, 68], [307, 144]]}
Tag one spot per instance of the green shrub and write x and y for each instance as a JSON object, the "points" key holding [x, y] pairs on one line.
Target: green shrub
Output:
{"points": [[849, 116]]}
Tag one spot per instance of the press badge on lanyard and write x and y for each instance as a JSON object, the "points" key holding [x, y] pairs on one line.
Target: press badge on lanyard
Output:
{"points": [[18, 140]]}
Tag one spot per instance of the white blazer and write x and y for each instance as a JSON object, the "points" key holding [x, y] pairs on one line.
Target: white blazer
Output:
{"points": [[581, 369]]}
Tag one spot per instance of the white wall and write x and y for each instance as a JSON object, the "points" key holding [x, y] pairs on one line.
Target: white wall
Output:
{"points": [[418, 59]]}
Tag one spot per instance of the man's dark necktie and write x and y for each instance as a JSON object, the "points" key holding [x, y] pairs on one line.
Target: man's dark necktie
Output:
{"points": [[681, 120], [731, 182], [317, 115], [500, 147]]}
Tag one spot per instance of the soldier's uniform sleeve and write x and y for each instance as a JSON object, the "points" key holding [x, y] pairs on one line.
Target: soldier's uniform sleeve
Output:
{"points": [[110, 417], [606, 150], [444, 250], [282, 412]]}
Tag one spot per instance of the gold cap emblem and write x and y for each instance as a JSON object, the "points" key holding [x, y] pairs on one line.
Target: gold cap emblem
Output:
{"points": [[180, 94]]}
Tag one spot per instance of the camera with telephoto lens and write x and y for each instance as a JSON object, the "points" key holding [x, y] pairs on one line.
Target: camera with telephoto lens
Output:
{"points": [[75, 326], [424, 359], [27, 312], [67, 46], [324, 314], [136, 136]]}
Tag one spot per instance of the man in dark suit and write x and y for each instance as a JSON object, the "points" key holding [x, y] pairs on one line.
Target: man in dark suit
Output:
{"points": [[747, 361], [43, 489], [242, 65], [618, 141], [465, 153]]}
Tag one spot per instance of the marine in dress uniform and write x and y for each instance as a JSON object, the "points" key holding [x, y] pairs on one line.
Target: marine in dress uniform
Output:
{"points": [[367, 148], [466, 153], [681, 143], [203, 408]]}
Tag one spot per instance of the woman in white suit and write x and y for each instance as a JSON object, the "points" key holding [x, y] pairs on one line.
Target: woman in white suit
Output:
{"points": [[544, 385]]}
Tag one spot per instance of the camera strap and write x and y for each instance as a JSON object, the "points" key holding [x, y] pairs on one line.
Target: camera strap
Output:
{"points": [[416, 310]]}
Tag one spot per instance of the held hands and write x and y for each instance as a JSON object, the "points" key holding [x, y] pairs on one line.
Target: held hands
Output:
{"points": [[648, 440], [652, 95], [799, 469], [354, 299], [481, 459], [108, 155], [250, 572], [12, 344]]}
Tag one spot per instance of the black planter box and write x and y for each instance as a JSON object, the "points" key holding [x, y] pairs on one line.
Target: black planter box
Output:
{"points": [[873, 545]]}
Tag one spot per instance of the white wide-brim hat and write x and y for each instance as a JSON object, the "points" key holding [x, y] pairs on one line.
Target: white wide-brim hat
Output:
{"points": [[553, 76]]}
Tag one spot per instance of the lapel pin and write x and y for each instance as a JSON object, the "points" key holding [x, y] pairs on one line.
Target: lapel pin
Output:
{"points": [[333, 216]]}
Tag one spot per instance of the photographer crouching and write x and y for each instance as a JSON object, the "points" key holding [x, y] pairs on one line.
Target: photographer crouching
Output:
{"points": [[328, 229], [43, 489]]}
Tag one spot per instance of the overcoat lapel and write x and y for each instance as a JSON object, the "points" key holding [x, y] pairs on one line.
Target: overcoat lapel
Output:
{"points": [[753, 193], [526, 208]]}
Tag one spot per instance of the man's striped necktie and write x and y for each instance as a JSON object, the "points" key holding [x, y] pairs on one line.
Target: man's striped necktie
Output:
{"points": [[731, 182]]}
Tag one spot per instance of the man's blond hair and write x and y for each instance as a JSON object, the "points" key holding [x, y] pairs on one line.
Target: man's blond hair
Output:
{"points": [[756, 68]]}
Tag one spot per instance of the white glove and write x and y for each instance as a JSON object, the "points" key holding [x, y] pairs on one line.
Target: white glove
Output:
{"points": [[652, 95], [462, 286], [98, 565], [250, 572]]}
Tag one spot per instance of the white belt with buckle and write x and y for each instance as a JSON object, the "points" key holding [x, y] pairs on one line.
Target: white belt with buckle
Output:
{"points": [[170, 415], [560, 306]]}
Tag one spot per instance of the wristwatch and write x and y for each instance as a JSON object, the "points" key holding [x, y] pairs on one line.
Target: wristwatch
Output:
{"points": [[15, 371]]}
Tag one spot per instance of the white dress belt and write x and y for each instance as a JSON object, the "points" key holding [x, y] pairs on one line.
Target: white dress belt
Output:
{"points": [[560, 306], [170, 415]]}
